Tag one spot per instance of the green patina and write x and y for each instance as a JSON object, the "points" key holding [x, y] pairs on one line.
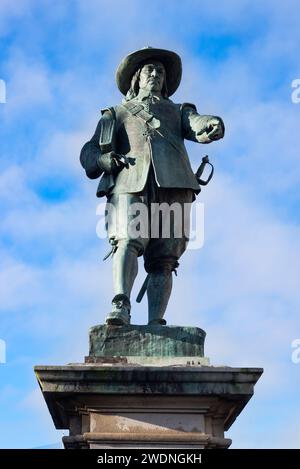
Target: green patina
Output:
{"points": [[146, 341]]}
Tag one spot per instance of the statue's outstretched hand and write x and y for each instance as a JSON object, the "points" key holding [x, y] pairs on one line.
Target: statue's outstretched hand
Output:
{"points": [[213, 130]]}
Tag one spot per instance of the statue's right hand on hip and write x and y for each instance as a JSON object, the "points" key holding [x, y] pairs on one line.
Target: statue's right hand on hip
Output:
{"points": [[111, 163]]}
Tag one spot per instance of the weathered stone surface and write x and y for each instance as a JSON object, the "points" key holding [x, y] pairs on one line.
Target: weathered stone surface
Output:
{"points": [[131, 406], [146, 341], [151, 361]]}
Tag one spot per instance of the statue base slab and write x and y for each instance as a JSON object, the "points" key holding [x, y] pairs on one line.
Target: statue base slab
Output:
{"points": [[132, 406]]}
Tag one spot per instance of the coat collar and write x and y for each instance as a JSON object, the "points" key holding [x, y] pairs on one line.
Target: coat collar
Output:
{"points": [[148, 95]]}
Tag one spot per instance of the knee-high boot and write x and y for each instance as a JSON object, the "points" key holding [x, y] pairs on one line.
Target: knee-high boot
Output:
{"points": [[159, 289], [125, 268]]}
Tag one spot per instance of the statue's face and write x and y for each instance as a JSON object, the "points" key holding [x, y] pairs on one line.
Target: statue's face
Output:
{"points": [[152, 76]]}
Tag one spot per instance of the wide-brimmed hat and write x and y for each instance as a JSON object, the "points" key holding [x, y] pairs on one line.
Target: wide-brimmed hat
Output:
{"points": [[131, 63]]}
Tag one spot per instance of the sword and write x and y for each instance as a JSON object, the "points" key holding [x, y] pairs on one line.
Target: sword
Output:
{"points": [[142, 290]]}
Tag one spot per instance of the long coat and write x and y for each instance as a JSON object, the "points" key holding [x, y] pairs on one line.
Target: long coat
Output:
{"points": [[133, 138]]}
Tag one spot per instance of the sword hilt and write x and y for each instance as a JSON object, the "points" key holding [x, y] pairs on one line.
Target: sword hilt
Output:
{"points": [[198, 174]]}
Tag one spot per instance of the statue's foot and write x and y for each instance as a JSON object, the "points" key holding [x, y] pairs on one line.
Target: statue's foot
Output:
{"points": [[120, 313], [117, 320], [157, 322]]}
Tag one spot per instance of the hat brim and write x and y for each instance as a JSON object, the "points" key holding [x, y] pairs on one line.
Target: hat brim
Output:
{"points": [[131, 63]]}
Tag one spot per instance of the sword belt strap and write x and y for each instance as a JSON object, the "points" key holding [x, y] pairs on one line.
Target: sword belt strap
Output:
{"points": [[139, 111]]}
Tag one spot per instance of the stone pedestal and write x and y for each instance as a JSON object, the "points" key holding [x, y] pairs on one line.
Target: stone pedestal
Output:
{"points": [[146, 387]]}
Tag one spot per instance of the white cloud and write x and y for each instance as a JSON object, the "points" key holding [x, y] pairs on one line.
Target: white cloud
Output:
{"points": [[9, 11], [28, 85]]}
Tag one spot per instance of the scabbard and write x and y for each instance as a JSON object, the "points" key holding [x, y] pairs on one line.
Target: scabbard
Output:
{"points": [[142, 290]]}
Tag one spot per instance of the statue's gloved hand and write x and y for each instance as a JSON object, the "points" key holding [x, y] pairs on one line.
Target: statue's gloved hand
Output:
{"points": [[213, 130], [110, 163]]}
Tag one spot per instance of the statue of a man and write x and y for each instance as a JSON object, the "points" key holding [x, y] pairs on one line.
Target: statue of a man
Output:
{"points": [[138, 149]]}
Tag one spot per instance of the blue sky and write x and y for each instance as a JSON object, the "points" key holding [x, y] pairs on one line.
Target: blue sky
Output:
{"points": [[58, 59]]}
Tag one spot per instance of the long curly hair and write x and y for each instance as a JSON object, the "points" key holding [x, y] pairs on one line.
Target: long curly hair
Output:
{"points": [[135, 87]]}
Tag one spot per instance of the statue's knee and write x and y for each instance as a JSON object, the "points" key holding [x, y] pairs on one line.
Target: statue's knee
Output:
{"points": [[162, 265], [133, 245]]}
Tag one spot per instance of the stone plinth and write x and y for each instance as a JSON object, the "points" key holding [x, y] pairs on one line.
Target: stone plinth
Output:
{"points": [[156, 345], [146, 387], [134, 406]]}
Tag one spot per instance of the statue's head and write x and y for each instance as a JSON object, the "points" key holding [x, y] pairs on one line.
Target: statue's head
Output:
{"points": [[150, 69], [151, 76]]}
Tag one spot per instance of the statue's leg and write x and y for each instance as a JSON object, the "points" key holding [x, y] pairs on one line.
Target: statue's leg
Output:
{"points": [[125, 264], [158, 292], [162, 253], [125, 268]]}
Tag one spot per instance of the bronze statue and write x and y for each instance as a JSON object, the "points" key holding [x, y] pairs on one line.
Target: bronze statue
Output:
{"points": [[138, 150]]}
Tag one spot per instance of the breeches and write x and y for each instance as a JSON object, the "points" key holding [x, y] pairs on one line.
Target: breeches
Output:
{"points": [[154, 223]]}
